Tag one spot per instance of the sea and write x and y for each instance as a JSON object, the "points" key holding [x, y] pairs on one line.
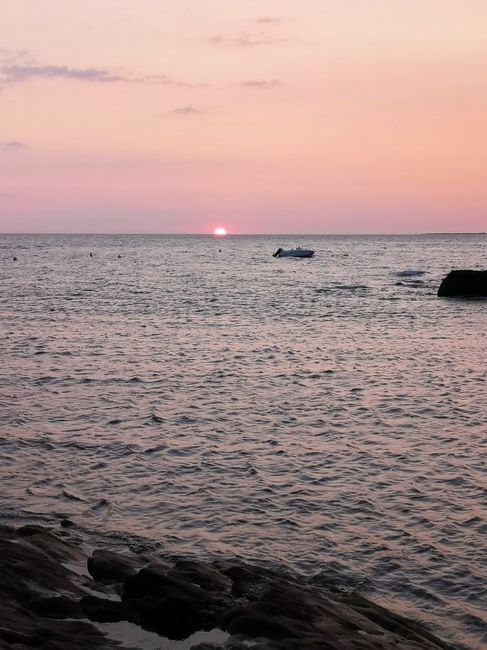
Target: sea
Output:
{"points": [[196, 397]]}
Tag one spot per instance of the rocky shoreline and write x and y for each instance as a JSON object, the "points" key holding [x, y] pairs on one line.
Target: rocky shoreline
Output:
{"points": [[54, 595]]}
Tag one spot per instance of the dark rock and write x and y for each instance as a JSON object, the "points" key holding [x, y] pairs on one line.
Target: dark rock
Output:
{"points": [[171, 606], [24, 565], [42, 602], [71, 635], [255, 625], [106, 611], [21, 628], [109, 567], [247, 581], [246, 572], [464, 283], [36, 589], [390, 621], [57, 549], [17, 637], [201, 574], [154, 582], [230, 644], [55, 607], [286, 599]]}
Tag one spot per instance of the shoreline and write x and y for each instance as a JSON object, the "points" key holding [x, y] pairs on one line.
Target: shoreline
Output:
{"points": [[56, 594]]}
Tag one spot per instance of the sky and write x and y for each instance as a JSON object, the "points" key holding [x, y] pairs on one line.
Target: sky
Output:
{"points": [[261, 116]]}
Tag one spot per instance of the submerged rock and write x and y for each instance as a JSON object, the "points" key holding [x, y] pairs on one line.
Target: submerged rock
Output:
{"points": [[48, 601], [464, 283]]}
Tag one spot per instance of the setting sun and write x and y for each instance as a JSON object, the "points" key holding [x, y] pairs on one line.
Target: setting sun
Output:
{"points": [[220, 232]]}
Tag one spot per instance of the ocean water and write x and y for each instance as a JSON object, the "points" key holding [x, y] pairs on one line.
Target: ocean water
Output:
{"points": [[197, 395]]}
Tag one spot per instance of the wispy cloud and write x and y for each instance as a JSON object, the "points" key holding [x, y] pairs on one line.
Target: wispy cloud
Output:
{"points": [[247, 39], [261, 84], [18, 73], [185, 110], [12, 57], [19, 66], [271, 20], [168, 81], [12, 144]]}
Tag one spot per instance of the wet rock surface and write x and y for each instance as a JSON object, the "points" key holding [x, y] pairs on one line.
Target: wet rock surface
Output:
{"points": [[465, 283], [49, 601]]}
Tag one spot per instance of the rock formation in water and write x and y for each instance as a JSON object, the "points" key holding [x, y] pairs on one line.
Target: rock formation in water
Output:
{"points": [[49, 601], [464, 283]]}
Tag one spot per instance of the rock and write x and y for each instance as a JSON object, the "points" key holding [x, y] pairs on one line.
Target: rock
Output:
{"points": [[390, 621], [21, 628], [26, 570], [464, 283], [257, 625], [16, 637], [247, 581], [45, 605], [55, 607], [106, 611], [37, 591], [57, 549], [201, 574], [109, 567], [170, 606]]}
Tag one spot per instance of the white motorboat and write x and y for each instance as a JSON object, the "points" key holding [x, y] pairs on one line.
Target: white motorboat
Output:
{"points": [[294, 252]]}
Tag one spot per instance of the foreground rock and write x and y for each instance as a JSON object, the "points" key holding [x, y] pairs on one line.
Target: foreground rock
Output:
{"points": [[37, 591], [49, 601], [464, 283]]}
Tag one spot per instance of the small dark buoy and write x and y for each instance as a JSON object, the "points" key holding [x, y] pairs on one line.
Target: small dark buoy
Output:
{"points": [[219, 250], [91, 254], [14, 259], [119, 257]]}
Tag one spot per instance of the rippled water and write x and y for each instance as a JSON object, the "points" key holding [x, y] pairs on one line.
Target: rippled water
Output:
{"points": [[325, 414]]}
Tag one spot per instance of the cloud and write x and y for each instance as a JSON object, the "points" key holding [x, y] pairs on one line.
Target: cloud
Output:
{"points": [[270, 20], [12, 144], [185, 110], [261, 84], [168, 81], [13, 73], [19, 66], [12, 57], [247, 39]]}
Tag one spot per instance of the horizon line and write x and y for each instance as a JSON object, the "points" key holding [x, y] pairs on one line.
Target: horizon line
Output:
{"points": [[249, 234]]}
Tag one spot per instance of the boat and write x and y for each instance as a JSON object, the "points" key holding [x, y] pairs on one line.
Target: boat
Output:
{"points": [[294, 252]]}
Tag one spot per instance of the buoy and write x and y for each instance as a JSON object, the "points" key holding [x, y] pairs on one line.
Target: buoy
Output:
{"points": [[14, 259]]}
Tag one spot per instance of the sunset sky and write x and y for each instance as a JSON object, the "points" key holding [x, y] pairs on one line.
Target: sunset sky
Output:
{"points": [[311, 116]]}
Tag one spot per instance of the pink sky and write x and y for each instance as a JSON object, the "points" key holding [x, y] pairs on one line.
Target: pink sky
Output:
{"points": [[323, 116]]}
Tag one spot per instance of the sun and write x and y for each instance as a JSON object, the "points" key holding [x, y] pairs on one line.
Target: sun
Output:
{"points": [[220, 232]]}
